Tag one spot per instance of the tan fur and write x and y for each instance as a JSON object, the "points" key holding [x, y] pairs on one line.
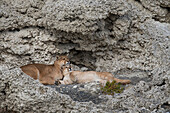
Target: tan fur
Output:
{"points": [[89, 76], [46, 74]]}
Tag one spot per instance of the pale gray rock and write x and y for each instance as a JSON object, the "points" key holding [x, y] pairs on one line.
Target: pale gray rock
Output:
{"points": [[158, 8], [130, 39]]}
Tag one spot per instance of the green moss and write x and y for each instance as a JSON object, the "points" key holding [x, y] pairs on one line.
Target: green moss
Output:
{"points": [[111, 88]]}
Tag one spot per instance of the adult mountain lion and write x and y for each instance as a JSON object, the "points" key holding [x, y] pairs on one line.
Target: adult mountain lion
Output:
{"points": [[46, 74]]}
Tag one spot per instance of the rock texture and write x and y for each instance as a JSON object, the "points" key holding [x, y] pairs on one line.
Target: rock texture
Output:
{"points": [[126, 37]]}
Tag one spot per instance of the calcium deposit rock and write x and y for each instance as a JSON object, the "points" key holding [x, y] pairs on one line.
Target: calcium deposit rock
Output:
{"points": [[129, 38]]}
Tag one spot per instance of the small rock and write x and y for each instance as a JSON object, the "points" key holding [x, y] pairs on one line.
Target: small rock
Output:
{"points": [[74, 86]]}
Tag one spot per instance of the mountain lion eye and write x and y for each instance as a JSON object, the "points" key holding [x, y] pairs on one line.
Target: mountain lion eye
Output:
{"points": [[67, 62], [69, 69]]}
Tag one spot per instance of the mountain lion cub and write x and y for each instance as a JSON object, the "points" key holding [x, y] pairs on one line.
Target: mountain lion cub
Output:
{"points": [[88, 76]]}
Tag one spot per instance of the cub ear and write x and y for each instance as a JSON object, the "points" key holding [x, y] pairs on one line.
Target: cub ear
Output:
{"points": [[62, 67], [57, 57]]}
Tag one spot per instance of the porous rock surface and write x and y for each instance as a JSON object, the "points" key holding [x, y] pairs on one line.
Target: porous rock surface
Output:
{"points": [[126, 37]]}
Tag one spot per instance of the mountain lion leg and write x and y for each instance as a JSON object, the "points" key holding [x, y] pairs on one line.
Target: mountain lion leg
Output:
{"points": [[67, 81]]}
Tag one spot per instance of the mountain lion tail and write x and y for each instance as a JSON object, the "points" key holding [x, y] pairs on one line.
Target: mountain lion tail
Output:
{"points": [[123, 81]]}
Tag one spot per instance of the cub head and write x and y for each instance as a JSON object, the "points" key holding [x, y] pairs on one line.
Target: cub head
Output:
{"points": [[62, 60], [66, 70]]}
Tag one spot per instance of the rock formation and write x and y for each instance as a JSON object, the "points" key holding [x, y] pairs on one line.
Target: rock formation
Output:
{"points": [[130, 38]]}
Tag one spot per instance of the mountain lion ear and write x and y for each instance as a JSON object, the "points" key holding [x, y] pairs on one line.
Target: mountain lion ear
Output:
{"points": [[57, 57], [62, 67]]}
